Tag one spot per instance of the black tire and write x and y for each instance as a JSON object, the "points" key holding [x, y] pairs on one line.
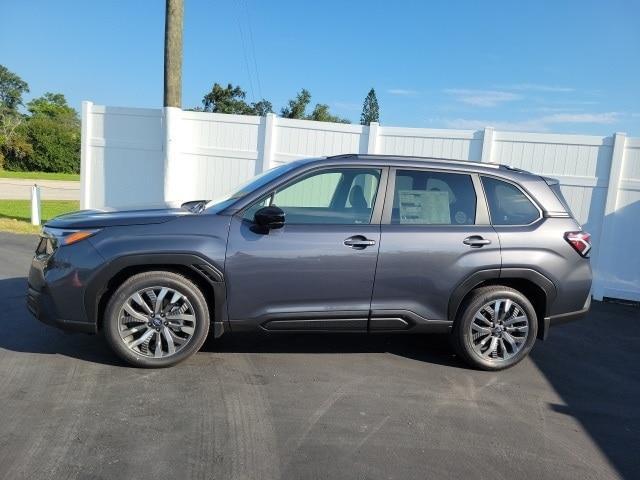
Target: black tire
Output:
{"points": [[147, 280], [462, 338]]}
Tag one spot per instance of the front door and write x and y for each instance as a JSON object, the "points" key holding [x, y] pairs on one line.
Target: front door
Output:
{"points": [[317, 272], [435, 235]]}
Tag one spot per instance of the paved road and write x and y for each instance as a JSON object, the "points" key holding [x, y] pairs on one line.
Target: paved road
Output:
{"points": [[20, 189], [296, 406]]}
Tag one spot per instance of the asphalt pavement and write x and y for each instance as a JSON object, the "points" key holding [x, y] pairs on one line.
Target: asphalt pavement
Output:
{"points": [[315, 407]]}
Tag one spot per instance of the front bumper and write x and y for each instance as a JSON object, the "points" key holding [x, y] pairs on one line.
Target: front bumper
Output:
{"points": [[42, 307], [57, 284]]}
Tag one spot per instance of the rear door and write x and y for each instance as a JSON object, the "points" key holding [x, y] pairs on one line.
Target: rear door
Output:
{"points": [[315, 273], [435, 233]]}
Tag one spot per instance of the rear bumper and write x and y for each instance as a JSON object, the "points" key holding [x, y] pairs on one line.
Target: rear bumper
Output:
{"points": [[566, 317], [42, 307], [571, 316]]}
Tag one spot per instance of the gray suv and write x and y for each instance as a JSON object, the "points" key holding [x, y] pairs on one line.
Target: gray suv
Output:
{"points": [[489, 254]]}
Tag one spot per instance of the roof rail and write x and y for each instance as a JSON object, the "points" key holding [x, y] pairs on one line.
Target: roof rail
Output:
{"points": [[430, 159]]}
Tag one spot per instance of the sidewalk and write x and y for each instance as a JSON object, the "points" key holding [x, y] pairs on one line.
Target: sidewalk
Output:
{"points": [[20, 189]]}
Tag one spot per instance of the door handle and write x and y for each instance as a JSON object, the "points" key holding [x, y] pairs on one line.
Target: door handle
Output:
{"points": [[476, 241], [359, 242]]}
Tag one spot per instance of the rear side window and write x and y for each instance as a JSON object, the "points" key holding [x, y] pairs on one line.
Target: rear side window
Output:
{"points": [[508, 205], [433, 198]]}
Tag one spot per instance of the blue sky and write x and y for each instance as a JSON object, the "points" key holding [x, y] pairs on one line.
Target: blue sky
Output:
{"points": [[558, 66]]}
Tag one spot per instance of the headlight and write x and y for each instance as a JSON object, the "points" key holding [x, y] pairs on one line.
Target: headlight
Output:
{"points": [[61, 236]]}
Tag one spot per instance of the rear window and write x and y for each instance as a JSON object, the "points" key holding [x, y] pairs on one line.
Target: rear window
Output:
{"points": [[508, 205]]}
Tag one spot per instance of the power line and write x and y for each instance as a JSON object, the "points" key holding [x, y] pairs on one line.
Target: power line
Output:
{"points": [[253, 49], [244, 52]]}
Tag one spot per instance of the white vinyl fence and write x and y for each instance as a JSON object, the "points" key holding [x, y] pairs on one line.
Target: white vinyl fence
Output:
{"points": [[134, 157]]}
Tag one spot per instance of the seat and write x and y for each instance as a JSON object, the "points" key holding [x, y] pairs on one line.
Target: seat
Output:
{"points": [[357, 198]]}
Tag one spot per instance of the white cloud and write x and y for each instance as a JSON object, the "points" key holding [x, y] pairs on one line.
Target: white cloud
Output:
{"points": [[536, 87], [474, 124], [537, 124], [401, 91], [482, 98], [600, 118]]}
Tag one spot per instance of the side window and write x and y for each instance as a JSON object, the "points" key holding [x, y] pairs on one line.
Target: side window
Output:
{"points": [[433, 198], [340, 196], [316, 191], [507, 204]]}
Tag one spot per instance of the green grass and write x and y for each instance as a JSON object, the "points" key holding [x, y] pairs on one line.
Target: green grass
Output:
{"points": [[40, 175], [15, 215]]}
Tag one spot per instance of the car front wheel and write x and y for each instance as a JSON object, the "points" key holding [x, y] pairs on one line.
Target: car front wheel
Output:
{"points": [[495, 328], [156, 319]]}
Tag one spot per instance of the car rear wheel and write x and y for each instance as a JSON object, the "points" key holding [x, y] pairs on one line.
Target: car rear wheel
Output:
{"points": [[156, 319], [495, 328]]}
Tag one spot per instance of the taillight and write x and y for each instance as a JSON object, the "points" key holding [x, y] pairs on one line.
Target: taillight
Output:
{"points": [[580, 241]]}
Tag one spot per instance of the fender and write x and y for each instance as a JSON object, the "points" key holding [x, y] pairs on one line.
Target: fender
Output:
{"points": [[547, 286], [97, 284]]}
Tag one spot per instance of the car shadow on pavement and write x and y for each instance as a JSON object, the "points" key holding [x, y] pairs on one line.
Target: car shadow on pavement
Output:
{"points": [[594, 366], [21, 332], [433, 349]]}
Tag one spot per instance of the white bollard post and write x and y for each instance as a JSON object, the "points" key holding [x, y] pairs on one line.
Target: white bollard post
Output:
{"points": [[35, 205]]}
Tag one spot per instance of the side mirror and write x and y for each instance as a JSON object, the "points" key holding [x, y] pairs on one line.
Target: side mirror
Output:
{"points": [[269, 217]]}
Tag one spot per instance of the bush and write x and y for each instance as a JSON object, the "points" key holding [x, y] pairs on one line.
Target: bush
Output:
{"points": [[55, 147], [46, 141]]}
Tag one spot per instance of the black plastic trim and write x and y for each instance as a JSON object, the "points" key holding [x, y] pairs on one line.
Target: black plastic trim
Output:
{"points": [[414, 323], [477, 278], [317, 324], [563, 318], [466, 286], [97, 285]]}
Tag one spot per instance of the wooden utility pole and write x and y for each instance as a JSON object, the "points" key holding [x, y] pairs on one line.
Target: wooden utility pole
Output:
{"points": [[173, 53]]}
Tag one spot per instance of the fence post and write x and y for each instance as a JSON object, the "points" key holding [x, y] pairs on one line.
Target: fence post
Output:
{"points": [[86, 179], [372, 146], [487, 145], [176, 174], [35, 205], [265, 151], [605, 253]]}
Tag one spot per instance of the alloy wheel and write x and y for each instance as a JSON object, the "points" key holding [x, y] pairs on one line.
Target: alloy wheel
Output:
{"points": [[499, 330], [156, 322]]}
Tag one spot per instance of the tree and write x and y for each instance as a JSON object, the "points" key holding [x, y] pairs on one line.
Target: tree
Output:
{"points": [[261, 108], [230, 99], [12, 87], [53, 105], [53, 133], [370, 109], [225, 100], [298, 106], [321, 114], [297, 109], [12, 140]]}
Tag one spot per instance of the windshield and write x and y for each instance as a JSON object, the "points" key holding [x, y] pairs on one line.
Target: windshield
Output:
{"points": [[250, 185]]}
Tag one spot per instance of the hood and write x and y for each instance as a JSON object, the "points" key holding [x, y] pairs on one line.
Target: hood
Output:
{"points": [[101, 218]]}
